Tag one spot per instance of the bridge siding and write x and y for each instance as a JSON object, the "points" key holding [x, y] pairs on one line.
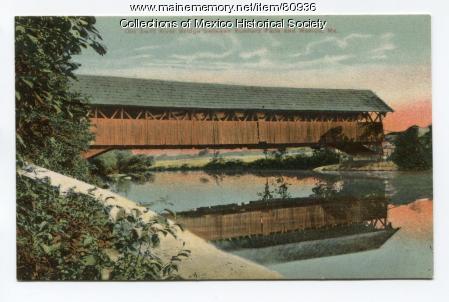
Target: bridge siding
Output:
{"points": [[142, 132]]}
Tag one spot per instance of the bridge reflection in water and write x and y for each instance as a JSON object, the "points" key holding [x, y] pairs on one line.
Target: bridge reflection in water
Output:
{"points": [[280, 230]]}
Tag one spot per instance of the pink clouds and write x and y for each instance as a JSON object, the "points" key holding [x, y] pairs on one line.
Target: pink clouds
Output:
{"points": [[409, 114]]}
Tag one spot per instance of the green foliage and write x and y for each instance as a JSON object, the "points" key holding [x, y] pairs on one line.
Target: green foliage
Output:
{"points": [[277, 189], [325, 190], [104, 164], [72, 238], [277, 160], [282, 188], [52, 126], [323, 157], [120, 162], [278, 154], [413, 152], [129, 163], [267, 192], [216, 158]]}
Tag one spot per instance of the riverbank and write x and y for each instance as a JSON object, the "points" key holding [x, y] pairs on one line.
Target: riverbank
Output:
{"points": [[205, 261], [201, 189], [355, 166], [274, 161]]}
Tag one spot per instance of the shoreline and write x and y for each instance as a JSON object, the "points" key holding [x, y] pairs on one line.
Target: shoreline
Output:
{"points": [[382, 166], [386, 167], [206, 261]]}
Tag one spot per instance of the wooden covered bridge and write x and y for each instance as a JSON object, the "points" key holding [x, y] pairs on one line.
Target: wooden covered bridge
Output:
{"points": [[139, 113]]}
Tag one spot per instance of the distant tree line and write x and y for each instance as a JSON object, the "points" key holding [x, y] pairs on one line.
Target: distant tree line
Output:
{"points": [[275, 160], [412, 150]]}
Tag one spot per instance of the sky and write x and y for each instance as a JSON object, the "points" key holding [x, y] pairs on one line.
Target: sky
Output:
{"points": [[390, 55]]}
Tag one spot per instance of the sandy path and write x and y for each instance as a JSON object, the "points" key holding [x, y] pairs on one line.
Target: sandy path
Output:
{"points": [[205, 261]]}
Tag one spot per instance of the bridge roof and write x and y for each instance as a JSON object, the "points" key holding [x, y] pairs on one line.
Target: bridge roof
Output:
{"points": [[106, 90]]}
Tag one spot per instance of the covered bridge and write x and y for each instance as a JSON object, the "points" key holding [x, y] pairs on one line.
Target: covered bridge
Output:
{"points": [[140, 113]]}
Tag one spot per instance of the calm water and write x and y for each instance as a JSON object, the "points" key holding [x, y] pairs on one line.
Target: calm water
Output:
{"points": [[334, 240]]}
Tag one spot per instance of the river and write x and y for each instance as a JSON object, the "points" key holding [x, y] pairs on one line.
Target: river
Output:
{"points": [[371, 224]]}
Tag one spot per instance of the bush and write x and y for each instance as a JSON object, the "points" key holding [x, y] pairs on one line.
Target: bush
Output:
{"points": [[52, 125], [129, 163], [104, 164], [71, 238], [66, 237], [323, 157], [413, 152], [278, 160], [120, 162]]}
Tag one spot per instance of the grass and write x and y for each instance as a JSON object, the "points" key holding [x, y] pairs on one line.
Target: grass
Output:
{"points": [[201, 161], [355, 166], [269, 161]]}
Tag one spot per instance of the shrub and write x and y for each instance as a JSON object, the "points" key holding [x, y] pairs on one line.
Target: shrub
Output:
{"points": [[66, 237], [277, 160], [323, 157], [413, 152], [104, 164], [52, 125], [122, 162], [71, 238], [129, 163]]}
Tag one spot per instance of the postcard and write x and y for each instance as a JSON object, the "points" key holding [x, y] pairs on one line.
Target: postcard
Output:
{"points": [[223, 147]]}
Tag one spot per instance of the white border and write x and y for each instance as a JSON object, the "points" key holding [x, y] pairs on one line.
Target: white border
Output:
{"points": [[399, 290]]}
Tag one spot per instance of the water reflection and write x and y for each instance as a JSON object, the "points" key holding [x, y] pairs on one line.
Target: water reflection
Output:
{"points": [[194, 189], [331, 227], [407, 254], [299, 219]]}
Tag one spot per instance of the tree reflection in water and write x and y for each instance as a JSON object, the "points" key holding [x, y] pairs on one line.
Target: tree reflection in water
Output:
{"points": [[334, 213], [337, 213]]}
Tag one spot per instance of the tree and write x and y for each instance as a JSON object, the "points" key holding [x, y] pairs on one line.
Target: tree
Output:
{"points": [[66, 237], [72, 236], [282, 188], [426, 141], [52, 125], [413, 152], [267, 193]]}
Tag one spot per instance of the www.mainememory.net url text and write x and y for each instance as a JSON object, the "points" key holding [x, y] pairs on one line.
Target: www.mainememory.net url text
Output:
{"points": [[226, 8]]}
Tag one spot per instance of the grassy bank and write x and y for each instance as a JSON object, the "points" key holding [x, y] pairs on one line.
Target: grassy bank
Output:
{"points": [[274, 161], [360, 166], [71, 237], [123, 225]]}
